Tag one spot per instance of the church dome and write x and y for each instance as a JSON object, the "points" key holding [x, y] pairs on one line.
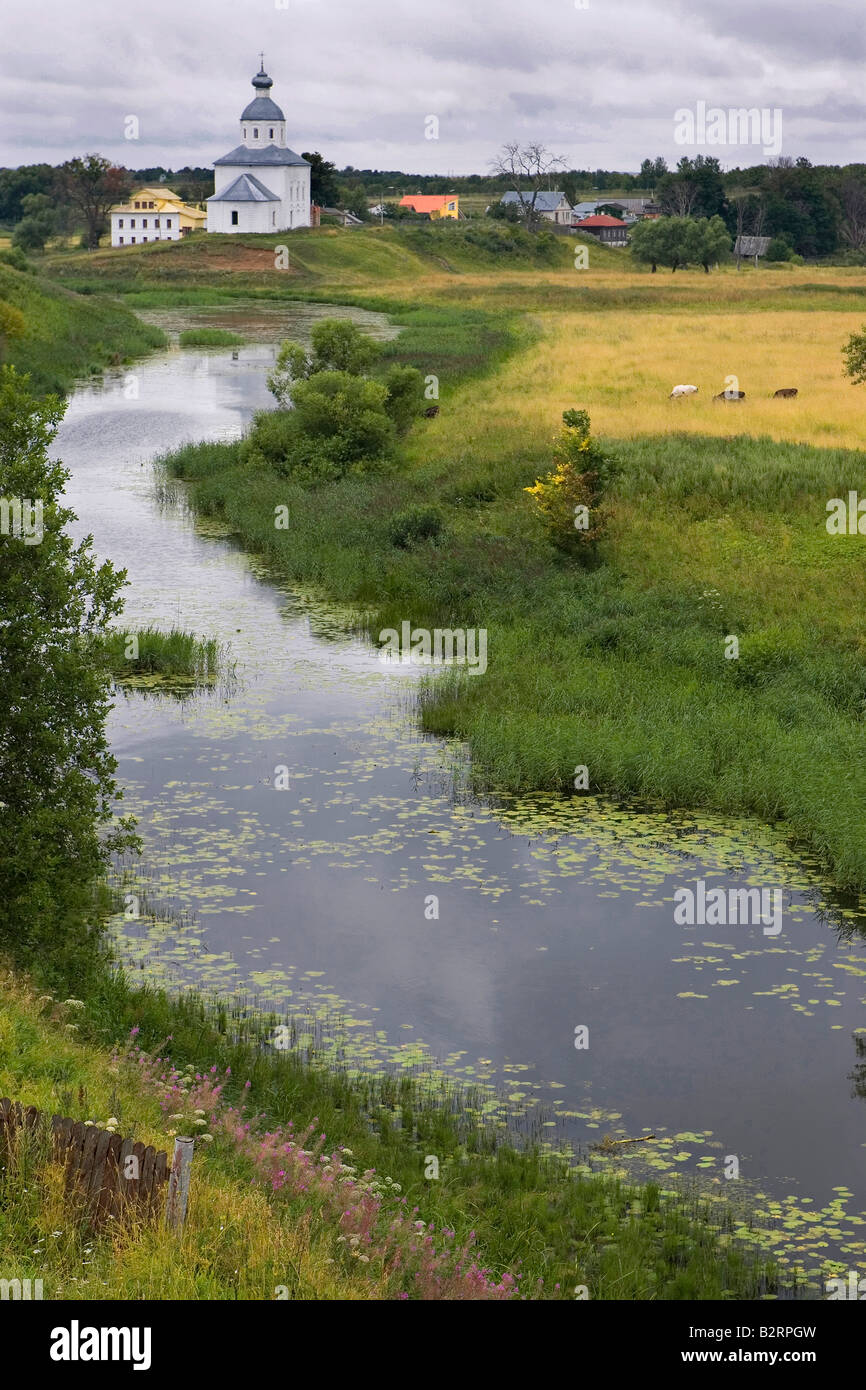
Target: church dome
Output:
{"points": [[261, 108]]}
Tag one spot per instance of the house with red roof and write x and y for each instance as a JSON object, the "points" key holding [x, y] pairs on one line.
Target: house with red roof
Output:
{"points": [[611, 230], [432, 204]]}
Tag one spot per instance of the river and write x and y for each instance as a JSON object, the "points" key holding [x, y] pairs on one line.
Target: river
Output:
{"points": [[554, 914]]}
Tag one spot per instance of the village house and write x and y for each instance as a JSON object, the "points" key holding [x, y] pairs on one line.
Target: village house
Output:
{"points": [[154, 214], [261, 185], [611, 230], [552, 205], [434, 205]]}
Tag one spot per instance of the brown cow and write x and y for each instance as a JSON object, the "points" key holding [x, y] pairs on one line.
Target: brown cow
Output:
{"points": [[788, 391], [730, 396]]}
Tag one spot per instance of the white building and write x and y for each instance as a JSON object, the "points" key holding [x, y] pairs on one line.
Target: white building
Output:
{"points": [[261, 185], [154, 214]]}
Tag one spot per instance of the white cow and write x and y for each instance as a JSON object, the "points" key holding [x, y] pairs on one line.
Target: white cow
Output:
{"points": [[683, 391]]}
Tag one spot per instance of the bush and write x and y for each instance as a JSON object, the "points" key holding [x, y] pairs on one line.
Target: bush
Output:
{"points": [[351, 409], [567, 499], [415, 524], [405, 400], [14, 256], [272, 438], [779, 250]]}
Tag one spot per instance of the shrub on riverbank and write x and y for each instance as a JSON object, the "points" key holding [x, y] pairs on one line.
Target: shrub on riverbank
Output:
{"points": [[341, 420]]}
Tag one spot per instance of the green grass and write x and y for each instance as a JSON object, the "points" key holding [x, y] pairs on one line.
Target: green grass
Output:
{"points": [[209, 337], [533, 1215], [149, 656], [620, 667], [70, 336]]}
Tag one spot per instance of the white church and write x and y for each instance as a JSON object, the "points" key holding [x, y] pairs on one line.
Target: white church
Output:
{"points": [[261, 185]]}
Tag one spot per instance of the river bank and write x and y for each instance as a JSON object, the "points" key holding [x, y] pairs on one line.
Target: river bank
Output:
{"points": [[508, 1003]]}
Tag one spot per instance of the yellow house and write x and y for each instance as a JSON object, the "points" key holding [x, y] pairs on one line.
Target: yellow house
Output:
{"points": [[154, 214], [434, 204]]}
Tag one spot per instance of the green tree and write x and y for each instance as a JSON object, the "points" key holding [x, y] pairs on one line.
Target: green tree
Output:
{"points": [[38, 223], [713, 242], [854, 353], [646, 243], [16, 184], [337, 346], [323, 179], [679, 241], [405, 398], [93, 185], [347, 411], [57, 788]]}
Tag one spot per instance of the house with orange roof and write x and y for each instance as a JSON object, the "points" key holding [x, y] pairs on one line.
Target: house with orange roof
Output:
{"points": [[611, 230], [432, 204]]}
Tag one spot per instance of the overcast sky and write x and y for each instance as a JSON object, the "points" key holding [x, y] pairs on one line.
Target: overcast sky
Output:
{"points": [[600, 85]]}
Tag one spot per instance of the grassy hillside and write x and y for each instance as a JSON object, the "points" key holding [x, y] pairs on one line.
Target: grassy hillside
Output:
{"points": [[68, 335], [321, 259]]}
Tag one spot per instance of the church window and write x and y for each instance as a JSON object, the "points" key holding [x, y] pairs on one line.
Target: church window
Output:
{"points": [[120, 221], [168, 223], [156, 222], [245, 132], [121, 240], [255, 132], [138, 205], [132, 239], [144, 238], [132, 221], [234, 219], [144, 221], [271, 134]]}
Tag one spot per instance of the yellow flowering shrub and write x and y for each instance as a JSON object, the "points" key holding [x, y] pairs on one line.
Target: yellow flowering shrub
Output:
{"points": [[568, 498]]}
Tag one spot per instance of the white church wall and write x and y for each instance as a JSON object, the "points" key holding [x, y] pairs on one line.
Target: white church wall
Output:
{"points": [[252, 217]]}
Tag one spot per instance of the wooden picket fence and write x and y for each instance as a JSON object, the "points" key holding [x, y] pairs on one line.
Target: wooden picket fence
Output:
{"points": [[111, 1174]]}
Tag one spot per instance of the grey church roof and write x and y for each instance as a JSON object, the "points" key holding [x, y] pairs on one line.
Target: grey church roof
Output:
{"points": [[544, 202], [262, 109], [243, 155], [245, 189]]}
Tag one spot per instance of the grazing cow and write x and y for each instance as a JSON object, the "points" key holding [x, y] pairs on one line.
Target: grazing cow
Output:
{"points": [[787, 391], [730, 396], [431, 412], [683, 391]]}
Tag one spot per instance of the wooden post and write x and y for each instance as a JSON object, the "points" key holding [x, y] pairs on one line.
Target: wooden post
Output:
{"points": [[178, 1184]]}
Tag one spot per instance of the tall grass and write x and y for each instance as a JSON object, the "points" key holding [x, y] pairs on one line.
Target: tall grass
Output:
{"points": [[69, 336], [172, 656], [251, 1229]]}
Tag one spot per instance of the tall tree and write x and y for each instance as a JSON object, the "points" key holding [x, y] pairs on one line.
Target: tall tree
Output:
{"points": [[93, 185], [323, 180], [56, 770], [852, 196], [528, 170]]}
